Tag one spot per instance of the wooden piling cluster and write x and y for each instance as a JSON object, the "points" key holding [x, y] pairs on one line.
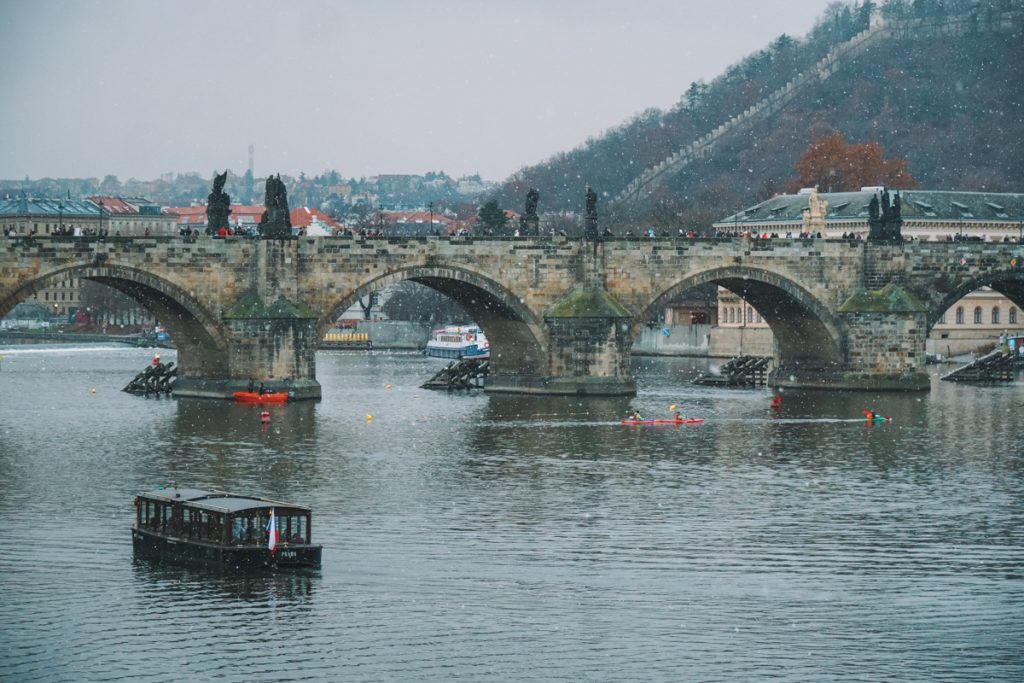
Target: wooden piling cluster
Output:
{"points": [[742, 371], [463, 374], [997, 366], [155, 379]]}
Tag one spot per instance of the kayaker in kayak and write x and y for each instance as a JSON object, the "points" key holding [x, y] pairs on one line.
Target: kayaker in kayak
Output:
{"points": [[636, 416]]}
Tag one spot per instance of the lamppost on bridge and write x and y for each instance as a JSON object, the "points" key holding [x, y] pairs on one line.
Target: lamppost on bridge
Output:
{"points": [[100, 204], [60, 217], [431, 205]]}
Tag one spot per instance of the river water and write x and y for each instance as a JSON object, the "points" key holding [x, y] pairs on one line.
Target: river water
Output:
{"points": [[472, 537]]}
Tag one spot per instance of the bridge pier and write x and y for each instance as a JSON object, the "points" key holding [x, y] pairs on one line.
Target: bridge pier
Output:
{"points": [[588, 349], [279, 352], [268, 338], [884, 347]]}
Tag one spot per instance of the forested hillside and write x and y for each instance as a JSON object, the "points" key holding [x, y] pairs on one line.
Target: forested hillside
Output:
{"points": [[943, 89]]}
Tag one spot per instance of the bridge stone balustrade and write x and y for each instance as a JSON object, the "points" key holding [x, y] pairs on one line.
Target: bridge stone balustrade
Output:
{"points": [[561, 315]]}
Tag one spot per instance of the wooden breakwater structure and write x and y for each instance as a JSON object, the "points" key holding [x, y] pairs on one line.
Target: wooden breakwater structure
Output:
{"points": [[155, 379], [463, 374], [742, 371], [997, 366]]}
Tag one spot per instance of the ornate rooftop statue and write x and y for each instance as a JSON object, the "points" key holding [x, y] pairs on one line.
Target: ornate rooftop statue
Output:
{"points": [[276, 222], [218, 205]]}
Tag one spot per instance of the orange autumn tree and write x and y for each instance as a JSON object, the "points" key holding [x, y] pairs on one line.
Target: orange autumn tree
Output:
{"points": [[834, 165]]}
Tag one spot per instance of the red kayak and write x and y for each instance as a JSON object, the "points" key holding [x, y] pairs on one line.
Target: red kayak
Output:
{"points": [[684, 421], [255, 397]]}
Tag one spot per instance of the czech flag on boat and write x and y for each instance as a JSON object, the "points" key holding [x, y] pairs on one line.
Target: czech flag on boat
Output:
{"points": [[272, 537]]}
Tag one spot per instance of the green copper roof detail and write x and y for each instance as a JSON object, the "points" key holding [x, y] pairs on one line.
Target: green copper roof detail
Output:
{"points": [[587, 303], [888, 299], [250, 306]]}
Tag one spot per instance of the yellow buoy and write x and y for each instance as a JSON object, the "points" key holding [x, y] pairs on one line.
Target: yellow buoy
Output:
{"points": [[387, 386], [93, 390], [369, 417]]}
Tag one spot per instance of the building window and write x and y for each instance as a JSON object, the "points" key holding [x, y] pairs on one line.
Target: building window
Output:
{"points": [[750, 314], [977, 315], [942, 318], [959, 315], [1013, 315], [995, 315]]}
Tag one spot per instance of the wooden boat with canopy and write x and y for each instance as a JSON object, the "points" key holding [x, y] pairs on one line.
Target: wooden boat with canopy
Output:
{"points": [[223, 529]]}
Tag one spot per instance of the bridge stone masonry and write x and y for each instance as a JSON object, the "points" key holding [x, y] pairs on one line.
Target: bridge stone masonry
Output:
{"points": [[561, 315]]}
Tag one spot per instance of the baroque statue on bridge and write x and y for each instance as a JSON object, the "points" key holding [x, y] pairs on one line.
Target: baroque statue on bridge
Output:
{"points": [[884, 218], [276, 222], [530, 222], [218, 205], [590, 218]]}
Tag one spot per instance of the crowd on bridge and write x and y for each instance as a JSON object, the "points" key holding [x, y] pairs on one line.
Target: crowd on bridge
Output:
{"points": [[62, 231]]}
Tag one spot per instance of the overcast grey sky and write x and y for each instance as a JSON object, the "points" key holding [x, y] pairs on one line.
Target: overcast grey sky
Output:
{"points": [[137, 88]]}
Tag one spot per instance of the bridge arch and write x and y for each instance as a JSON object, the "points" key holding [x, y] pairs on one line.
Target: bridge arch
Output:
{"points": [[517, 336], [1009, 283], [806, 332], [199, 337]]}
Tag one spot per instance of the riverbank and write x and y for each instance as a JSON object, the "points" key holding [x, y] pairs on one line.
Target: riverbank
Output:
{"points": [[15, 337]]}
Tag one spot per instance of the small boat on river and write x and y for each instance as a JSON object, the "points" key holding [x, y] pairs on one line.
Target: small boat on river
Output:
{"points": [[670, 421], [460, 342], [223, 529]]}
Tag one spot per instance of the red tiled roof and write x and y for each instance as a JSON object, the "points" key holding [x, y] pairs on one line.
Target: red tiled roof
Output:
{"points": [[303, 216], [196, 214], [416, 217], [114, 205]]}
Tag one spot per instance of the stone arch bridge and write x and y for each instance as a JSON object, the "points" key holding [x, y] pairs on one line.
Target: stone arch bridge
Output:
{"points": [[561, 315]]}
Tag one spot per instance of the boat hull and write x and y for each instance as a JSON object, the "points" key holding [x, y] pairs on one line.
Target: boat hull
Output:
{"points": [[471, 352], [685, 421], [286, 556], [254, 397], [463, 342]]}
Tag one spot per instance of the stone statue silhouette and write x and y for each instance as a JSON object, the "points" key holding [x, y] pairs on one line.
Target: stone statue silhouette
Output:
{"points": [[530, 223], [885, 225], [591, 203], [873, 208], [276, 222], [218, 205], [532, 199], [590, 218]]}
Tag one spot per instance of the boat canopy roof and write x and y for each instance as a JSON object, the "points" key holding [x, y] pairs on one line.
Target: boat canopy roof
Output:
{"points": [[217, 501]]}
